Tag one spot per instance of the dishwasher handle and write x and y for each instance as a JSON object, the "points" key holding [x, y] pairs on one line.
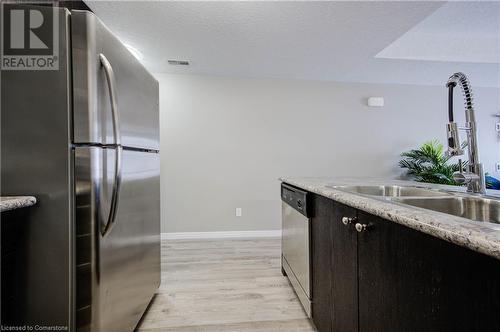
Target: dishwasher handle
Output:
{"points": [[297, 198]]}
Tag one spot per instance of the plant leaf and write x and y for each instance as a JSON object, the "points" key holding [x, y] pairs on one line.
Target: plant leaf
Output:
{"points": [[429, 163]]}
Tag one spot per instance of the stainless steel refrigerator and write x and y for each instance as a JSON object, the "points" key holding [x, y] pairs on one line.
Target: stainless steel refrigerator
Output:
{"points": [[84, 139]]}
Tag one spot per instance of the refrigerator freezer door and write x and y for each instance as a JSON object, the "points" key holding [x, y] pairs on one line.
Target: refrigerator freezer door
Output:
{"points": [[136, 89], [118, 272]]}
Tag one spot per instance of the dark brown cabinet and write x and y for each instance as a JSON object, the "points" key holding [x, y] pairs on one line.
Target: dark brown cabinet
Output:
{"points": [[389, 277], [411, 281], [400, 282], [334, 266], [13, 270], [321, 251], [344, 269]]}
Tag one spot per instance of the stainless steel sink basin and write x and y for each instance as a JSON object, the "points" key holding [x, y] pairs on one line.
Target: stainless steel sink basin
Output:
{"points": [[474, 208], [391, 191]]}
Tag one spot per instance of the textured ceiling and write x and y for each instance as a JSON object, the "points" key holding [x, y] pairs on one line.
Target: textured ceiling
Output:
{"points": [[299, 40]]}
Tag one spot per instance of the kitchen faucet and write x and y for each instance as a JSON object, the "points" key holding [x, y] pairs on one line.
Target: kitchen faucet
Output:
{"points": [[474, 176]]}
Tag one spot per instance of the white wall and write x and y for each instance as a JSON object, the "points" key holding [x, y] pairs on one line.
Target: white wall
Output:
{"points": [[225, 141]]}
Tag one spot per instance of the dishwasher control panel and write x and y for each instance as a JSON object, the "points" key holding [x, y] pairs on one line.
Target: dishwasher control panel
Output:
{"points": [[296, 198]]}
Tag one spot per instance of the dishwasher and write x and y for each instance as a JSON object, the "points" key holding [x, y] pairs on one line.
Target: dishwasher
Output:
{"points": [[295, 246]]}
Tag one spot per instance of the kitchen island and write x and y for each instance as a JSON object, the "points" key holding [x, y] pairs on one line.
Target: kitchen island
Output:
{"points": [[379, 265], [15, 218], [8, 203]]}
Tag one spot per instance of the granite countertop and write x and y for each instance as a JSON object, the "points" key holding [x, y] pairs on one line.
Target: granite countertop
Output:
{"points": [[15, 202], [479, 236]]}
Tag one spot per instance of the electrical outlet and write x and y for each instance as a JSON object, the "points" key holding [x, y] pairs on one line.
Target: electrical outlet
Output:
{"points": [[238, 212], [497, 167], [497, 126]]}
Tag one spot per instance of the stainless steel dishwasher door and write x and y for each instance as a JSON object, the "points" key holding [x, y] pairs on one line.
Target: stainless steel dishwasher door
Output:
{"points": [[295, 248]]}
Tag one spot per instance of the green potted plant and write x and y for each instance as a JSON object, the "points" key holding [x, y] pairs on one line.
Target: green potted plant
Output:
{"points": [[429, 164]]}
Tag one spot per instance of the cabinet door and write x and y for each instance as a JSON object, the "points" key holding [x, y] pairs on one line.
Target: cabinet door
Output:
{"points": [[397, 278], [344, 270], [321, 263], [411, 281]]}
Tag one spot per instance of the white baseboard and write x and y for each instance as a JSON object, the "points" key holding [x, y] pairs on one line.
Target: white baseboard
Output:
{"points": [[220, 235]]}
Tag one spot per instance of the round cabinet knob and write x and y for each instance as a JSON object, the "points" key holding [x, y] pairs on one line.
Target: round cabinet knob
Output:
{"points": [[346, 220], [361, 227]]}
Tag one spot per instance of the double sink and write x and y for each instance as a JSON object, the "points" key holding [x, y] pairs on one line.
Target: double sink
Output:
{"points": [[476, 208]]}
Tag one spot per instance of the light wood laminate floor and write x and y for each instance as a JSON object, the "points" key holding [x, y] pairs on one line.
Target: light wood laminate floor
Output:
{"points": [[224, 285]]}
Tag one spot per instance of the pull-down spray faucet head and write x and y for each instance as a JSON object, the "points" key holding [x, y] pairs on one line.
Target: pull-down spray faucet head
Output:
{"points": [[461, 79], [454, 148], [453, 137]]}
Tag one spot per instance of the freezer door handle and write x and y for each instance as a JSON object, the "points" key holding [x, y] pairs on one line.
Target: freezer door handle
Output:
{"points": [[110, 78], [105, 229]]}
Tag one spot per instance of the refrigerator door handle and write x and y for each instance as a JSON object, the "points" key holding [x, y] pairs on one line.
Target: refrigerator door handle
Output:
{"points": [[110, 78], [105, 229]]}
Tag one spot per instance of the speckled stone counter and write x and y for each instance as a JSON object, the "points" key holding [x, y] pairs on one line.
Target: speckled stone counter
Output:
{"points": [[479, 236], [15, 202]]}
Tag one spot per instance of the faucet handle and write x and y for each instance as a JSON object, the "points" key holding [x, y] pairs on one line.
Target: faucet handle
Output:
{"points": [[465, 178]]}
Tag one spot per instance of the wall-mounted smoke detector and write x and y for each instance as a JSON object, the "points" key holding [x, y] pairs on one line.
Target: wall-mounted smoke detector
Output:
{"points": [[376, 101], [178, 62]]}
